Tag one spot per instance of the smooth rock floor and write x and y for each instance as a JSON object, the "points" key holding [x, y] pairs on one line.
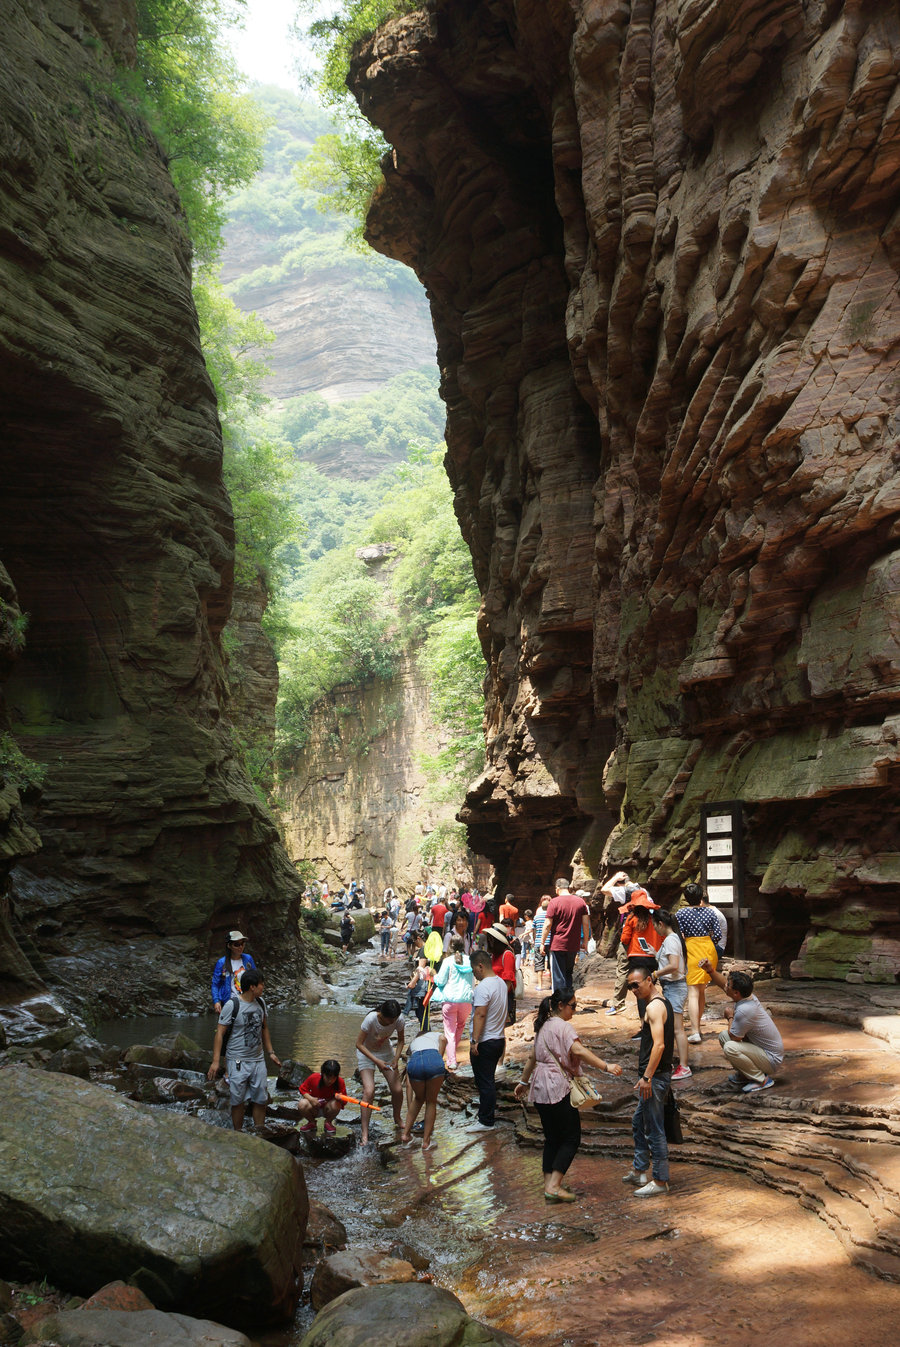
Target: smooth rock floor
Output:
{"points": [[781, 1204]]}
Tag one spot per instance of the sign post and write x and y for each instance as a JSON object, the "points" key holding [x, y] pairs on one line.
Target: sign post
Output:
{"points": [[722, 861]]}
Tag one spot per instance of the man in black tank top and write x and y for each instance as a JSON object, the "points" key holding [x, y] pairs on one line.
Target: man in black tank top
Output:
{"points": [[655, 1067]]}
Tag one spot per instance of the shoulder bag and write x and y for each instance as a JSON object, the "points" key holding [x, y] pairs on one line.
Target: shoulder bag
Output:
{"points": [[583, 1093]]}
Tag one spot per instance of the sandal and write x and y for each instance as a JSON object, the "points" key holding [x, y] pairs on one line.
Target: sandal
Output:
{"points": [[562, 1196]]}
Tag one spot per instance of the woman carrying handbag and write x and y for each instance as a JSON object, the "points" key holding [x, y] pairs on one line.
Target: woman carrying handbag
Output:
{"points": [[553, 1066]]}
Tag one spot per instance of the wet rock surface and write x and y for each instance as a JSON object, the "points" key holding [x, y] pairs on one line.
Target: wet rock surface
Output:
{"points": [[665, 291], [352, 1268], [323, 1229]]}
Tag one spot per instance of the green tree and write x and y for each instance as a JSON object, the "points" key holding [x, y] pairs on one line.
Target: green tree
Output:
{"points": [[191, 92], [346, 166]]}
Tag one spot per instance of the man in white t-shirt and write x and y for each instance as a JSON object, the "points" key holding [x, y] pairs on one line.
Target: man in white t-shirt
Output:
{"points": [[488, 1041]]}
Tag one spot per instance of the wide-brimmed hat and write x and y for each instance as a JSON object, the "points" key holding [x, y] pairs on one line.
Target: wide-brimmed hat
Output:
{"points": [[234, 937], [498, 932], [641, 898]]}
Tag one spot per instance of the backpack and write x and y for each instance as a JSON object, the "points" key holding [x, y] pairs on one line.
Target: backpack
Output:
{"points": [[227, 1028]]}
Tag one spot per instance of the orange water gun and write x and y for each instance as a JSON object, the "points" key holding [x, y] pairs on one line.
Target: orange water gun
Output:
{"points": [[348, 1099]]}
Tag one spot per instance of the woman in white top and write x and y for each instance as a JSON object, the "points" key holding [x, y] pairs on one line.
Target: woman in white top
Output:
{"points": [[459, 929], [671, 958], [373, 1049], [425, 1073]]}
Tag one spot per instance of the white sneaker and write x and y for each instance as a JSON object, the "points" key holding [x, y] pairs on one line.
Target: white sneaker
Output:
{"points": [[478, 1126], [652, 1189], [694, 1038], [636, 1177]]}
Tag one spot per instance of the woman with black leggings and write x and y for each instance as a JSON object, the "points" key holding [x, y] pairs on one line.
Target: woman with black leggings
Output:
{"points": [[556, 1056]]}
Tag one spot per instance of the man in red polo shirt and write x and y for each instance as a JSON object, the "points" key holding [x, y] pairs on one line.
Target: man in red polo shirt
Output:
{"points": [[566, 930], [437, 914]]}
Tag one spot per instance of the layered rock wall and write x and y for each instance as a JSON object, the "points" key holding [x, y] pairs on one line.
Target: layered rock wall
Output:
{"points": [[661, 243], [117, 537], [355, 800]]}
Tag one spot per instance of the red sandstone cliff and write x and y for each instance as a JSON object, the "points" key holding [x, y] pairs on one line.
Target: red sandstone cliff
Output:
{"points": [[661, 243], [116, 532]]}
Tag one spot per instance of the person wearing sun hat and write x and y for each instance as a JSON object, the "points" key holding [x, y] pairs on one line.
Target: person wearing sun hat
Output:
{"points": [[640, 937], [503, 964], [226, 978]]}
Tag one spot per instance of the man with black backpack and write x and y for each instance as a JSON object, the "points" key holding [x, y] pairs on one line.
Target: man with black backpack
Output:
{"points": [[243, 1030]]}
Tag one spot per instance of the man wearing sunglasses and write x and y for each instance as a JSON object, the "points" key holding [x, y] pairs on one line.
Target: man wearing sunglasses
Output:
{"points": [[655, 1067]]}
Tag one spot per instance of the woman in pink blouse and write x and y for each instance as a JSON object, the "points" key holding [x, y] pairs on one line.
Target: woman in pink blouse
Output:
{"points": [[556, 1056]]}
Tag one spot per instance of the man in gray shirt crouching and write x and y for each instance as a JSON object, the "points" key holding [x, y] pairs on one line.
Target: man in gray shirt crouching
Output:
{"points": [[751, 1043], [245, 1021]]}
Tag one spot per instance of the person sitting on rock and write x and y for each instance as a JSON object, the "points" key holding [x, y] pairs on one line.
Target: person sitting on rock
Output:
{"points": [[246, 1020], [317, 1096], [226, 978], [751, 1043]]}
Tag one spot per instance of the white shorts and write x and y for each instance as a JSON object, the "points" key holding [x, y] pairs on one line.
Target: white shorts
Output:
{"points": [[247, 1080], [366, 1064]]}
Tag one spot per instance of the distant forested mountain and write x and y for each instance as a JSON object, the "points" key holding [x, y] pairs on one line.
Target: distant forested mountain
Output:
{"points": [[345, 323]]}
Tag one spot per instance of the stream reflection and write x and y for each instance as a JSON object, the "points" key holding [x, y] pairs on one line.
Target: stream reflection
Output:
{"points": [[471, 1199]]}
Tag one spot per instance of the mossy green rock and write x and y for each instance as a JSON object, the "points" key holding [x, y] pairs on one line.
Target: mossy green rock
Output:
{"points": [[404, 1315], [94, 1187]]}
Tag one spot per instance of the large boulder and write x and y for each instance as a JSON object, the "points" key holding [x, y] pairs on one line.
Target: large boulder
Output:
{"points": [[363, 925], [174, 1051], [135, 1328], [413, 1315], [95, 1187]]}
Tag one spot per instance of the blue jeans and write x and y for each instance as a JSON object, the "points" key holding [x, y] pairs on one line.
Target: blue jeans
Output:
{"points": [[484, 1066], [649, 1129], [562, 966]]}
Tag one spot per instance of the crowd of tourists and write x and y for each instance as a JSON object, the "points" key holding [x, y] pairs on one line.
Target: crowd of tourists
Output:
{"points": [[469, 956]]}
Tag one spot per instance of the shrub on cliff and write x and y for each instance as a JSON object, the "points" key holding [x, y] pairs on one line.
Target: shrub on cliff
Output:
{"points": [[346, 166]]}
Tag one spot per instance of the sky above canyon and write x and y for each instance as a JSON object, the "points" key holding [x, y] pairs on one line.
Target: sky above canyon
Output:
{"points": [[265, 48]]}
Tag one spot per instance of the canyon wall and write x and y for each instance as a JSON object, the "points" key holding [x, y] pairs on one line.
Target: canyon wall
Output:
{"points": [[148, 841], [354, 802], [661, 245]]}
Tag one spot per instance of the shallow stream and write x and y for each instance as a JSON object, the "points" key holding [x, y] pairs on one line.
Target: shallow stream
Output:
{"points": [[454, 1206]]}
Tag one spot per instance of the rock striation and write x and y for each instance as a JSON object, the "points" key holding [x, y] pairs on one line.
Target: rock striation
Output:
{"points": [[354, 802], [118, 545], [661, 243]]}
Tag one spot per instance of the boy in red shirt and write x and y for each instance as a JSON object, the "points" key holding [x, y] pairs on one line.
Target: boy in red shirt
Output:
{"points": [[317, 1096]]}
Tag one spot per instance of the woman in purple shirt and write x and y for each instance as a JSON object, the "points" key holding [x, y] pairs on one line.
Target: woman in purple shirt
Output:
{"points": [[556, 1056]]}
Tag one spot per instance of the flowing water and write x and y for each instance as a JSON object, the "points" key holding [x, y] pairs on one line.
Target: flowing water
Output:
{"points": [[457, 1206]]}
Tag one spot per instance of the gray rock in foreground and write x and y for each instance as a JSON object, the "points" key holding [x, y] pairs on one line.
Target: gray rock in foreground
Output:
{"points": [[94, 1187], [136, 1328], [412, 1315]]}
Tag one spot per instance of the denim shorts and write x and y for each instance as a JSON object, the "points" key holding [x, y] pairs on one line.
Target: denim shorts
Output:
{"points": [[426, 1065], [675, 993]]}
